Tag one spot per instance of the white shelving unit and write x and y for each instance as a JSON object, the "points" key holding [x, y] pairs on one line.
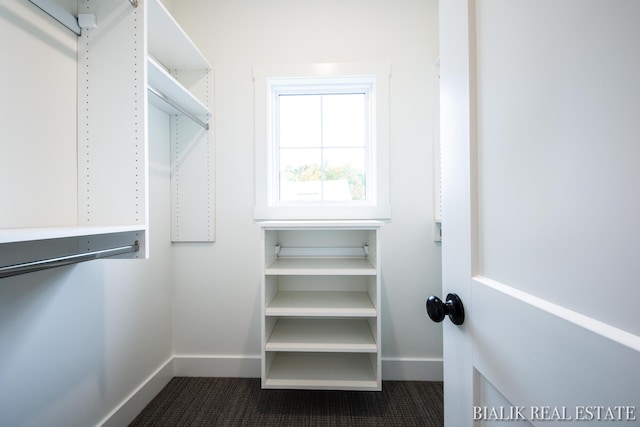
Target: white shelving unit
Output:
{"points": [[128, 51], [180, 83], [110, 160], [321, 305]]}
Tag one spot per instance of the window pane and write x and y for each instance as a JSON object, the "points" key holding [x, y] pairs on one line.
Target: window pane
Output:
{"points": [[343, 120], [300, 175], [344, 174], [300, 120]]}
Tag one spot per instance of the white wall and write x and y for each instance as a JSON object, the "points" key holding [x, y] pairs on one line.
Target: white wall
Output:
{"points": [[74, 341], [217, 312]]}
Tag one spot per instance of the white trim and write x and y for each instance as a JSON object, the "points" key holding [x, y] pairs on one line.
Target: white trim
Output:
{"points": [[411, 369], [393, 368], [605, 330], [264, 207], [217, 366], [135, 402], [326, 213]]}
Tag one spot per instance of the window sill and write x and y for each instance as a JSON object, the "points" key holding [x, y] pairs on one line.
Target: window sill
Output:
{"points": [[321, 212]]}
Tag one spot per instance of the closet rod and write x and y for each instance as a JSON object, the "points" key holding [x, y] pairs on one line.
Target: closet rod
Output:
{"points": [[58, 13], [178, 107], [29, 267]]}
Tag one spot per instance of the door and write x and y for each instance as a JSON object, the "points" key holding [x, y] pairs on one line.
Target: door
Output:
{"points": [[540, 131]]}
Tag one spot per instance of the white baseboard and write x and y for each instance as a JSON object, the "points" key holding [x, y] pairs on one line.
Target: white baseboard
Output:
{"points": [[411, 369], [140, 397], [393, 369], [217, 366]]}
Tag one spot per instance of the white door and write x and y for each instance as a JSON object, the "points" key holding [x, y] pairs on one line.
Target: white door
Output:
{"points": [[540, 130]]}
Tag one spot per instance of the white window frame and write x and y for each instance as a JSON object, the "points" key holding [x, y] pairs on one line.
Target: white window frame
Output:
{"points": [[269, 82]]}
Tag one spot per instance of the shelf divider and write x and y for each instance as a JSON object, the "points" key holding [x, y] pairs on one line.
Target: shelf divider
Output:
{"points": [[321, 266], [321, 303], [322, 335]]}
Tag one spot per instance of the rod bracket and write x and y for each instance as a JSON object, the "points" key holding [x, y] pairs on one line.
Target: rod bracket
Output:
{"points": [[87, 20]]}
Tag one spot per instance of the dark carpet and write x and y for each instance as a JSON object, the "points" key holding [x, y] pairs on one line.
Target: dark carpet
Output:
{"points": [[189, 401]]}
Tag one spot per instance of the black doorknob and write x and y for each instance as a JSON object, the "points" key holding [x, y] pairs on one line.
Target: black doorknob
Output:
{"points": [[452, 307]]}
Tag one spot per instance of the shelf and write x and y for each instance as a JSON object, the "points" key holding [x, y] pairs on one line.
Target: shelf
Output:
{"points": [[29, 250], [321, 266], [165, 83], [334, 371], [312, 303], [322, 335], [321, 225], [14, 235], [168, 42]]}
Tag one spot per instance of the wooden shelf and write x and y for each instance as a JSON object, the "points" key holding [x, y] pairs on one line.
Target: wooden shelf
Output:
{"points": [[334, 371], [322, 335], [321, 225], [34, 249], [14, 235], [321, 266], [168, 42], [165, 83], [314, 303]]}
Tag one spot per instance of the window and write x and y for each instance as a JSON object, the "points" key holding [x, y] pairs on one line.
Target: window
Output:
{"points": [[321, 143]]}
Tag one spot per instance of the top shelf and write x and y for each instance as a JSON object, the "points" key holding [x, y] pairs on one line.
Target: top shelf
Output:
{"points": [[168, 42], [13, 235], [321, 225]]}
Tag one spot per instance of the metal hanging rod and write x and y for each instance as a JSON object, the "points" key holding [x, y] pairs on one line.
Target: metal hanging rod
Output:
{"points": [[178, 107], [29, 267], [358, 251], [57, 12]]}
